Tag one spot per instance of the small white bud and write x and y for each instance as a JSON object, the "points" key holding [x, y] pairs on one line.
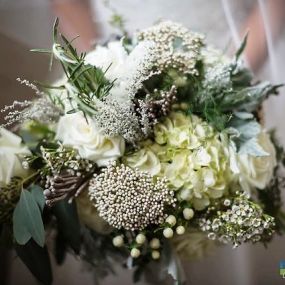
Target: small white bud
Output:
{"points": [[154, 243], [155, 254], [140, 238], [135, 253], [168, 233], [180, 230], [25, 165], [171, 220], [188, 213], [118, 241]]}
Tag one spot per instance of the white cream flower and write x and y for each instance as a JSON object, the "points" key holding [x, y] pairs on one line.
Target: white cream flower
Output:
{"points": [[74, 131], [144, 160], [128, 70], [257, 171], [190, 154], [11, 151], [110, 58]]}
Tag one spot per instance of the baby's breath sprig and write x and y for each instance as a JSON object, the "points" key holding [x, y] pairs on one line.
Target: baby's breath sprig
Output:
{"points": [[239, 220], [64, 173]]}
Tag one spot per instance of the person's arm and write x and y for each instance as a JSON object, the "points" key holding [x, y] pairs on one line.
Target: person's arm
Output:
{"points": [[256, 50], [76, 20]]}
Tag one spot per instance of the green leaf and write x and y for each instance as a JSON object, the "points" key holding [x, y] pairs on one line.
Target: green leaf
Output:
{"points": [[68, 223], [21, 232], [37, 259], [60, 248], [253, 148], [42, 85], [242, 47], [55, 30], [38, 195], [27, 220], [41, 50]]}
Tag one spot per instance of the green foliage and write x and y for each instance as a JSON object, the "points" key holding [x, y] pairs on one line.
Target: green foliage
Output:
{"points": [[34, 132], [86, 81], [246, 130], [225, 89], [36, 258], [9, 197], [37, 193], [242, 47], [98, 250], [27, 220], [68, 225]]}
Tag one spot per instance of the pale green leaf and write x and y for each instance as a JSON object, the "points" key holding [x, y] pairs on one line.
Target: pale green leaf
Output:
{"points": [[27, 220], [253, 148], [38, 195], [21, 232]]}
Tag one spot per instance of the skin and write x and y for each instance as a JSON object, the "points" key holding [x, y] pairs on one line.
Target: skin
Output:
{"points": [[76, 19], [256, 50]]}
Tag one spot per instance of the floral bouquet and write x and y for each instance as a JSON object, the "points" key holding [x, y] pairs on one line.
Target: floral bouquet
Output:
{"points": [[150, 149]]}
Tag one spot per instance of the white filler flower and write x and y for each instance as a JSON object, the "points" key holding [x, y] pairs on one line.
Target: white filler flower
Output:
{"points": [[74, 131], [11, 151], [109, 58]]}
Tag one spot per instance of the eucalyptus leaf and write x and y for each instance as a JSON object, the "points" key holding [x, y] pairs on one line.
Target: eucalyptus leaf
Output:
{"points": [[38, 195], [27, 220], [37, 259], [21, 232]]}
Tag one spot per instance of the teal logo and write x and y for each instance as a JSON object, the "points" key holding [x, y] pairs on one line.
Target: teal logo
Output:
{"points": [[282, 268]]}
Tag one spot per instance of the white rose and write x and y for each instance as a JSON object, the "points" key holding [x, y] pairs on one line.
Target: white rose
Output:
{"points": [[74, 131], [144, 160], [11, 151], [257, 171], [111, 57]]}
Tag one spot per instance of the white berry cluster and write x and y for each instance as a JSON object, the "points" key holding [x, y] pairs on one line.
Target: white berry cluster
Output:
{"points": [[128, 198], [241, 221], [177, 47]]}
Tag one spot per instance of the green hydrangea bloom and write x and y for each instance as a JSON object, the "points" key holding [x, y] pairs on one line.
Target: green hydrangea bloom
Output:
{"points": [[190, 154]]}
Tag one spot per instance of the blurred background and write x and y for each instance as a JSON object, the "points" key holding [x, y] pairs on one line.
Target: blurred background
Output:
{"points": [[27, 24]]}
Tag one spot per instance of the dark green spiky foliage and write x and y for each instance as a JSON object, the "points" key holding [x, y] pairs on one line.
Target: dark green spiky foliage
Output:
{"points": [[87, 81]]}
